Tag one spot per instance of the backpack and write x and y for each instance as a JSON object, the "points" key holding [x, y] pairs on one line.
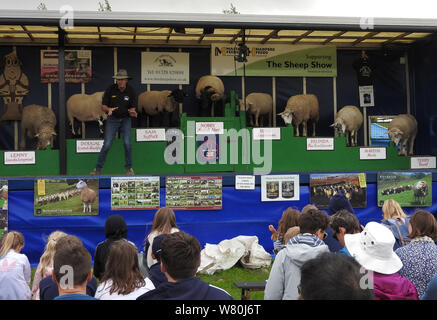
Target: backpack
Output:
{"points": [[400, 231]]}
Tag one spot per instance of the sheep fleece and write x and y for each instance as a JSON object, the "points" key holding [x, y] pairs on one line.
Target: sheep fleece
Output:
{"points": [[304, 108], [259, 104], [85, 107], [155, 102], [36, 119], [215, 82]]}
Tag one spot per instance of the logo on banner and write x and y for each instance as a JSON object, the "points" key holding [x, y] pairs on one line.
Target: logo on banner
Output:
{"points": [[165, 60]]}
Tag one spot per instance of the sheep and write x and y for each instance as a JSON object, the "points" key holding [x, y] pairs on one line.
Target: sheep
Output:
{"points": [[39, 122], [210, 91], [403, 130], [86, 107], [300, 109], [87, 195], [420, 190], [162, 103], [257, 104], [349, 120]]}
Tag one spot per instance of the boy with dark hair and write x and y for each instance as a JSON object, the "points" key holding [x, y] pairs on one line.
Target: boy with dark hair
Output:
{"points": [[332, 276], [72, 269], [180, 259], [285, 273], [344, 222]]}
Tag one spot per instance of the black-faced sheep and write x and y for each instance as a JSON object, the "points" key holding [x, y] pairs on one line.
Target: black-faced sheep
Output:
{"points": [[301, 109], [349, 120], [86, 107], [87, 195], [210, 91], [403, 130], [420, 190], [257, 104], [162, 103], [39, 122]]}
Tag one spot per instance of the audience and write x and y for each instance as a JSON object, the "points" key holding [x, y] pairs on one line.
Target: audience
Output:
{"points": [[163, 222], [419, 257], [397, 221], [115, 229], [290, 218], [123, 279], [373, 249], [72, 269], [291, 233], [332, 276], [45, 265], [431, 290], [338, 202], [284, 275], [155, 273], [48, 289], [14, 268], [180, 260], [344, 222]]}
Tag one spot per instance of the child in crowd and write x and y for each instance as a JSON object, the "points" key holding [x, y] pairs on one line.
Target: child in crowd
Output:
{"points": [[396, 219], [15, 268], [163, 222], [45, 265], [289, 219], [155, 273]]}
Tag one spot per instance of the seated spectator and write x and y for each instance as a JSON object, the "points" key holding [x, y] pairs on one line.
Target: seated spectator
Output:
{"points": [[15, 268], [115, 229], [163, 222], [332, 276], [290, 218], [419, 257], [291, 233], [431, 290], [123, 279], [341, 223], [396, 219], [180, 260], [284, 276], [45, 265], [48, 289], [308, 207], [373, 249], [338, 202], [155, 273], [72, 269]]}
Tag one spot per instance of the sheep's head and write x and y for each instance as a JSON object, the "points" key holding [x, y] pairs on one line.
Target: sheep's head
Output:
{"points": [[178, 95], [287, 116], [395, 135], [45, 138], [81, 184], [339, 125]]}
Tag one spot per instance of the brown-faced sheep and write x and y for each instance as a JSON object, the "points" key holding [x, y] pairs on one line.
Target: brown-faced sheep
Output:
{"points": [[257, 104], [301, 109], [39, 122], [349, 120], [403, 130], [86, 107], [87, 195], [210, 91]]}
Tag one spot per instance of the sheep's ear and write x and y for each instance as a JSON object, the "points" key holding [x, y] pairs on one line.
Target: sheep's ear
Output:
{"points": [[333, 125], [53, 133], [37, 135]]}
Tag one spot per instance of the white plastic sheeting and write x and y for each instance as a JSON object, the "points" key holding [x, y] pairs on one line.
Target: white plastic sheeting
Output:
{"points": [[223, 256]]}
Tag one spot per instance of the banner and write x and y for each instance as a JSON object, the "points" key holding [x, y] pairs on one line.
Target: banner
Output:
{"points": [[280, 187], [77, 66], [3, 207], [275, 60], [165, 67], [134, 193]]}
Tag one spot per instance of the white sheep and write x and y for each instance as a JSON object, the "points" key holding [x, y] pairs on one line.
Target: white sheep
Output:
{"points": [[301, 109], [349, 120], [209, 90], [87, 195], [257, 104], [157, 102], [403, 130], [86, 107], [39, 122]]}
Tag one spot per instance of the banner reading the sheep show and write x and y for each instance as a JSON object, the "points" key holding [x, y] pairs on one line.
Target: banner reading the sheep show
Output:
{"points": [[275, 60], [66, 197], [134, 193], [165, 67], [409, 189], [3, 207]]}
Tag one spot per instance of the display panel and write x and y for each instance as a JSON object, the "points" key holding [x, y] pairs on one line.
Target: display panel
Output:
{"points": [[134, 193]]}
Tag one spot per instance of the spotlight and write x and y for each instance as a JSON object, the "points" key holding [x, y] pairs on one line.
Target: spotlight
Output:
{"points": [[242, 53]]}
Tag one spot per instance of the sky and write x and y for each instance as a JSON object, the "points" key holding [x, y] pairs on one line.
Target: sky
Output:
{"points": [[351, 8]]}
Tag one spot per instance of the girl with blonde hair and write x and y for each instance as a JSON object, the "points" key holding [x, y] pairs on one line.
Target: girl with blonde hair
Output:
{"points": [[45, 265], [164, 222], [15, 268], [397, 221], [392, 210]]}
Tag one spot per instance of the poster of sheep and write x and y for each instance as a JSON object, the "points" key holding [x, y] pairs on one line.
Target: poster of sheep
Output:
{"points": [[3, 207], [409, 189], [324, 186], [135, 193], [66, 197]]}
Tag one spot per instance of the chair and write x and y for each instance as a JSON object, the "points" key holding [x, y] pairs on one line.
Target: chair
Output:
{"points": [[247, 287]]}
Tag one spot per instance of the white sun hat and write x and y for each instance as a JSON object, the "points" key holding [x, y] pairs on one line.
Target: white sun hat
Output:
{"points": [[373, 248]]}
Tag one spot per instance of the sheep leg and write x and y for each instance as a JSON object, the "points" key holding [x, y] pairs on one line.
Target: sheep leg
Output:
{"points": [[297, 129], [84, 207], [100, 125], [348, 138], [304, 128], [257, 118], [314, 128], [411, 145]]}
